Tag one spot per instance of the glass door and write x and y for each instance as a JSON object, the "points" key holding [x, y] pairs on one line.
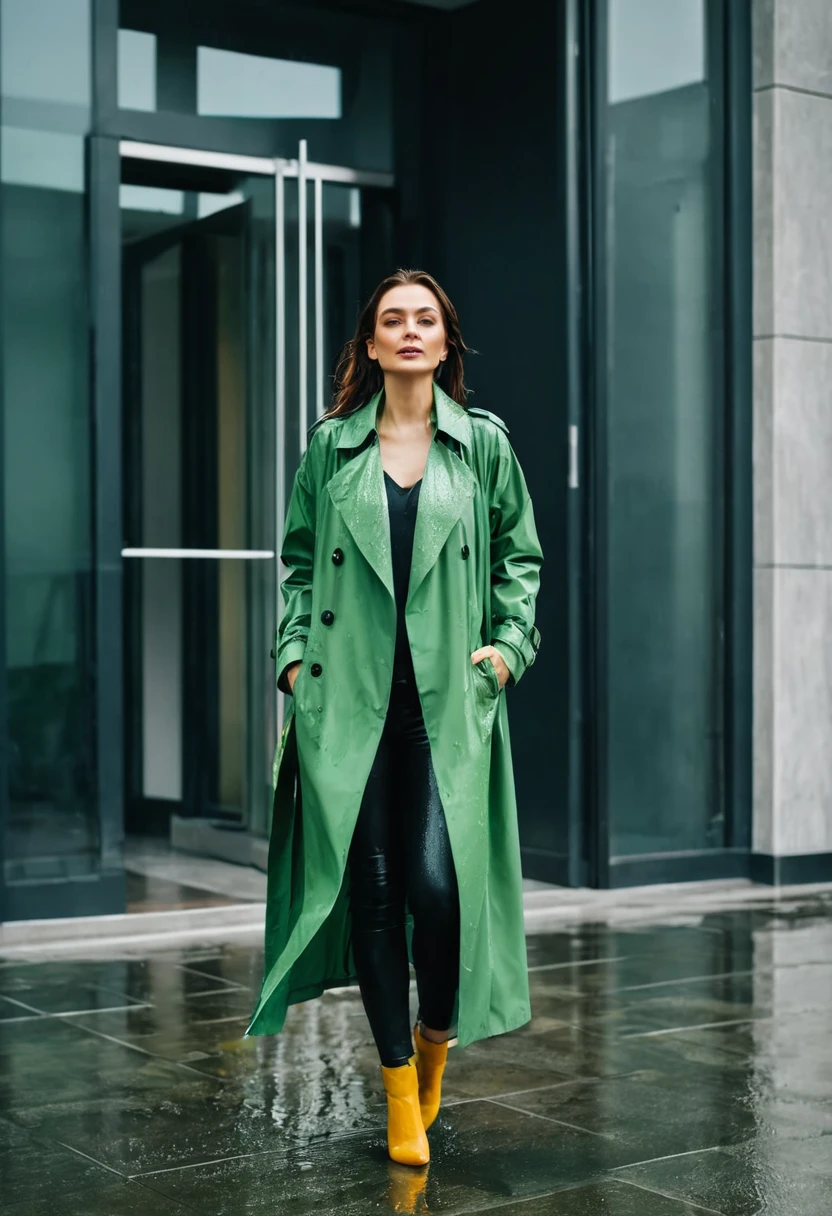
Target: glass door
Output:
{"points": [[241, 281], [199, 371]]}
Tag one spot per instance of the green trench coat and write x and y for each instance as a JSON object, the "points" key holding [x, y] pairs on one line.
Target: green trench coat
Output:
{"points": [[473, 581]]}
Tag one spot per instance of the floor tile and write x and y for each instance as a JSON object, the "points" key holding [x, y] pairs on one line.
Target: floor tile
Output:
{"points": [[47, 1059], [614, 975], [216, 1046], [486, 1070], [481, 1157], [778, 1178], [242, 968], [40, 1176], [577, 1050], [146, 894], [53, 998], [163, 1117], [674, 1064], [791, 1053], [12, 1010], [226, 1003], [136, 979], [647, 1114], [104, 1198], [613, 1198]]}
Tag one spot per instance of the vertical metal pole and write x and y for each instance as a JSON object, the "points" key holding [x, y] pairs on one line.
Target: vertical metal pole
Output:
{"points": [[104, 170], [319, 298], [280, 353], [280, 393], [575, 28], [738, 471], [302, 296]]}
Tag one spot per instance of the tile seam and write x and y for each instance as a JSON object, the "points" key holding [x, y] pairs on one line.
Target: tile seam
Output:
{"points": [[693, 979], [103, 1164], [586, 1131], [513, 1093], [592, 1180], [713, 1148], [665, 1030], [695, 1207], [589, 962], [152, 1055], [88, 1013]]}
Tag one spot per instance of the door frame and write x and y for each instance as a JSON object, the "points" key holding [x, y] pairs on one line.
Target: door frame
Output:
{"points": [[306, 173], [143, 814], [282, 169], [309, 355]]}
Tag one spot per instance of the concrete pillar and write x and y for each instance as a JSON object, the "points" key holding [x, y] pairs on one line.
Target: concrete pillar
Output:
{"points": [[792, 836]]}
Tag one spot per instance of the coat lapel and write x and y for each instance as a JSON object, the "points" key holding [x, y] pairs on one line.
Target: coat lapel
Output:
{"points": [[447, 487], [358, 494]]}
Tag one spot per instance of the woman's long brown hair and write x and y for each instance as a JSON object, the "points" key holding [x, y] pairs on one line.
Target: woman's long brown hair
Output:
{"points": [[358, 377]]}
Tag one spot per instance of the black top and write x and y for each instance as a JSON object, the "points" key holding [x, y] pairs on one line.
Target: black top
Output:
{"points": [[402, 505]]}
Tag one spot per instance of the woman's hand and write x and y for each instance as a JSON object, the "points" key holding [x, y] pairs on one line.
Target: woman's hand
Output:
{"points": [[292, 675], [500, 665]]}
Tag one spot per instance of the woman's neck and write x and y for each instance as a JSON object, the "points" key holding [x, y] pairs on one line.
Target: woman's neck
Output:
{"points": [[407, 402]]}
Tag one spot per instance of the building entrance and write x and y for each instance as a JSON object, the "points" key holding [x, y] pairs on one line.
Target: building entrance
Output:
{"points": [[241, 279]]}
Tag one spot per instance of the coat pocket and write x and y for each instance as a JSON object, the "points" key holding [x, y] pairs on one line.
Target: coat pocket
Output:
{"points": [[486, 696], [489, 677]]}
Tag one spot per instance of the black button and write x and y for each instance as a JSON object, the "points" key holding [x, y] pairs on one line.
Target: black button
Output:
{"points": [[272, 654], [316, 670], [465, 552], [327, 616], [338, 557]]}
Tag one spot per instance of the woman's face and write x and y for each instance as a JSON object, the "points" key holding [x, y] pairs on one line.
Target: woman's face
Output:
{"points": [[410, 331]]}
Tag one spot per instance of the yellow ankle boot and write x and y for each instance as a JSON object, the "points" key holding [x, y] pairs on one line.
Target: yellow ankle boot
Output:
{"points": [[406, 1139], [430, 1065]]}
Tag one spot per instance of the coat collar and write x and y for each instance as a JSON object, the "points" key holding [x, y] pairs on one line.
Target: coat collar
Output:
{"points": [[448, 417], [357, 491]]}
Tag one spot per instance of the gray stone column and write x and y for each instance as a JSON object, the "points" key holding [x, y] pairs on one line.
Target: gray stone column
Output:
{"points": [[793, 438]]}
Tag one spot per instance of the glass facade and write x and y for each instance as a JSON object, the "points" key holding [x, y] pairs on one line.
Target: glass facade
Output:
{"points": [[269, 71], [663, 499], [154, 251], [51, 827], [236, 85], [231, 84]]}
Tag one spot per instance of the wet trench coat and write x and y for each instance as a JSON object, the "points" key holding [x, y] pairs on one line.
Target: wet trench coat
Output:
{"points": [[473, 581]]}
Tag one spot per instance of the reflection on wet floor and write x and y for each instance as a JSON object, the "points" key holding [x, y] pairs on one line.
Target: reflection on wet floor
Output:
{"points": [[146, 893], [161, 878], [669, 1070]]}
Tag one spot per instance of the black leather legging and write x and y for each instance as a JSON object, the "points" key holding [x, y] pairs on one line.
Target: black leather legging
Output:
{"points": [[400, 853]]}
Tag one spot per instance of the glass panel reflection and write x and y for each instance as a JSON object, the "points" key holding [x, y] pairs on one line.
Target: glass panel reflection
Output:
{"points": [[199, 415], [264, 67], [136, 70], [52, 830], [663, 375], [253, 86]]}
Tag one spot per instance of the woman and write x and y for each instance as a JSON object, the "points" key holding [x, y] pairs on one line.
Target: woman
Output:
{"points": [[409, 605]]}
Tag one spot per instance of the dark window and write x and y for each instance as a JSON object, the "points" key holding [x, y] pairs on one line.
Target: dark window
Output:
{"points": [[660, 235], [52, 823]]}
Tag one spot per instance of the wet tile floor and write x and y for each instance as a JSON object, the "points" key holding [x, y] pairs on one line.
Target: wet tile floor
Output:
{"points": [[677, 1067], [148, 893]]}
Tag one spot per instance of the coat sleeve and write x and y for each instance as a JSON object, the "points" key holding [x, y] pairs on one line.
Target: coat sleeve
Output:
{"points": [[297, 555], [516, 558]]}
